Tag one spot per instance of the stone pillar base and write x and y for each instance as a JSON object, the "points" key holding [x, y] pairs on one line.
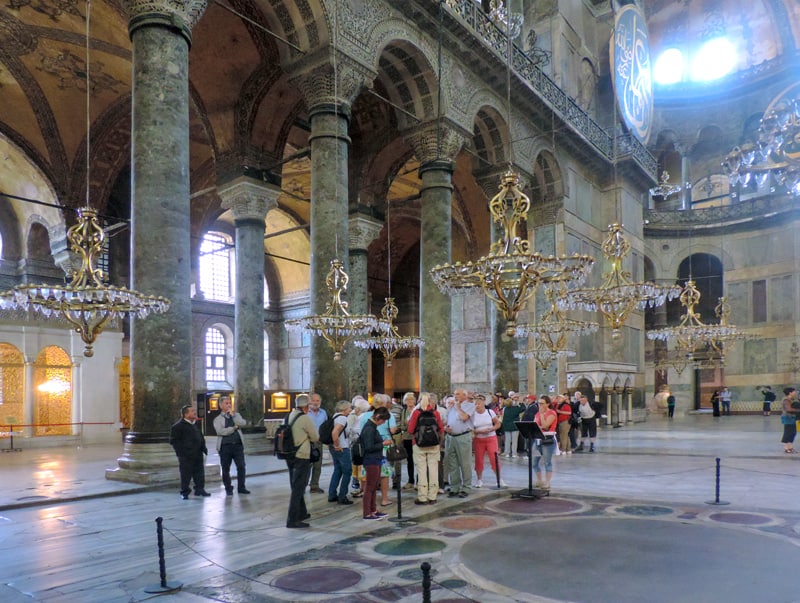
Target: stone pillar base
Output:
{"points": [[152, 464], [258, 442]]}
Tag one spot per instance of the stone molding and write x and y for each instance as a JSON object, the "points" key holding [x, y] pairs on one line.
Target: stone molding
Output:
{"points": [[363, 230], [181, 15], [434, 141], [319, 84], [247, 198]]}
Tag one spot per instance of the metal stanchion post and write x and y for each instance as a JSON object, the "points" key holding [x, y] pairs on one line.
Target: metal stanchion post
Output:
{"points": [[716, 500], [399, 519], [426, 582], [163, 586]]}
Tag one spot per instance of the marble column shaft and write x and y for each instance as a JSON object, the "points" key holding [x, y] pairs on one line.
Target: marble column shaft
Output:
{"points": [[329, 236], [161, 344], [362, 231], [436, 194], [249, 201]]}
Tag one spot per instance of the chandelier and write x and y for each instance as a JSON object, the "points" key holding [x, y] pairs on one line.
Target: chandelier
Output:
{"points": [[336, 325], [86, 302], [619, 295], [390, 342], [730, 335], [665, 190], [774, 157], [510, 22], [510, 273], [551, 334], [692, 334]]}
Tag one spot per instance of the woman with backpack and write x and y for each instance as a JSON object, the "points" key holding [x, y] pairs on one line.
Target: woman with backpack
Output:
{"points": [[426, 426]]}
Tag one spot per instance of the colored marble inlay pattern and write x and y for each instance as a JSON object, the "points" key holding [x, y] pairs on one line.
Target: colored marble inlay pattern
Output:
{"points": [[746, 519], [469, 522], [322, 579], [410, 546], [644, 510], [545, 505]]}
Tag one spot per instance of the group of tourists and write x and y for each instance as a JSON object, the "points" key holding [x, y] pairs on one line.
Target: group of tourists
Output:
{"points": [[442, 444]]}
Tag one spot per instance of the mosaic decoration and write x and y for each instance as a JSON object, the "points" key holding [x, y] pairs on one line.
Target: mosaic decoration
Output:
{"points": [[70, 70], [52, 8]]}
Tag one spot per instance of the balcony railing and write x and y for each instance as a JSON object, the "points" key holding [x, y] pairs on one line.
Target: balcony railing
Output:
{"points": [[526, 67], [712, 217]]}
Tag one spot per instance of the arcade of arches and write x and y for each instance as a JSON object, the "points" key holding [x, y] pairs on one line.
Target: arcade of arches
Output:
{"points": [[230, 165]]}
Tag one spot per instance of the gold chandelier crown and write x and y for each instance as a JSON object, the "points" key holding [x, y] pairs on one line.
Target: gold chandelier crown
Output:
{"points": [[510, 273], [86, 302]]}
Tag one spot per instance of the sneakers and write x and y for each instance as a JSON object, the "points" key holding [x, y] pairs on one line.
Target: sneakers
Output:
{"points": [[346, 501], [357, 494], [479, 484], [503, 484], [380, 515], [462, 494], [452, 494], [316, 490], [409, 486], [591, 448], [372, 517], [420, 502]]}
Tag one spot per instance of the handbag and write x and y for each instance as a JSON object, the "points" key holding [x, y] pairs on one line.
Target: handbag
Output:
{"points": [[788, 419], [315, 454], [395, 453]]}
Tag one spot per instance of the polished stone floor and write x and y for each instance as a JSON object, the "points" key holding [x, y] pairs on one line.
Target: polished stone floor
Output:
{"points": [[629, 523]]}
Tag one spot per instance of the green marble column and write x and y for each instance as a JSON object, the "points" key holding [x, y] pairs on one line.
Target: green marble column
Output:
{"points": [[161, 345], [435, 146], [328, 94], [363, 230], [249, 200]]}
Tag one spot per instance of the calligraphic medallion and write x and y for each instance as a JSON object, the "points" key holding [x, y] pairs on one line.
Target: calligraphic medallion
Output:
{"points": [[633, 84]]}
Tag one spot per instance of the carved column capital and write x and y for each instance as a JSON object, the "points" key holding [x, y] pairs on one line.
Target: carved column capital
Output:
{"points": [[248, 199], [363, 230], [321, 86], [434, 141], [180, 15]]}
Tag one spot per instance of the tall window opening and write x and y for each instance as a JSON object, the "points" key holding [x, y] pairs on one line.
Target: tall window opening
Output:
{"points": [[217, 267], [215, 355]]}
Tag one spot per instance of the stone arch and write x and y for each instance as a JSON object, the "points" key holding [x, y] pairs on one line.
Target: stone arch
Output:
{"points": [[406, 64], [38, 242], [491, 139], [547, 184]]}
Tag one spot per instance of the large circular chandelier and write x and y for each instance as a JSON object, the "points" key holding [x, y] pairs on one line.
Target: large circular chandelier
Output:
{"points": [[510, 273], [619, 295], [86, 302], [336, 325]]}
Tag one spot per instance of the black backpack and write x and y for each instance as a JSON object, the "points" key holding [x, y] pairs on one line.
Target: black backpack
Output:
{"points": [[326, 431], [284, 440], [427, 433]]}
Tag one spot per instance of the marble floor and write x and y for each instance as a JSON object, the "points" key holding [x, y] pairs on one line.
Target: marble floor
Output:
{"points": [[629, 523]]}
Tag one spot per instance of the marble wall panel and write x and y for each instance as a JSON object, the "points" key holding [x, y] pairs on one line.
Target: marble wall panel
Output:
{"points": [[476, 362], [457, 313], [781, 299], [738, 296], [760, 356], [295, 373], [458, 362], [474, 311]]}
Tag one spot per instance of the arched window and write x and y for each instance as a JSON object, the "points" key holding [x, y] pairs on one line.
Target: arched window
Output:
{"points": [[52, 378], [217, 267], [215, 355], [12, 385]]}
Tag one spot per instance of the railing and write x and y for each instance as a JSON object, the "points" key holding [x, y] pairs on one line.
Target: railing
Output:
{"points": [[526, 67], [735, 212]]}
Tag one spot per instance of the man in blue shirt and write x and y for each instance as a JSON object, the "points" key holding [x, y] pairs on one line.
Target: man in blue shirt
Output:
{"points": [[458, 457]]}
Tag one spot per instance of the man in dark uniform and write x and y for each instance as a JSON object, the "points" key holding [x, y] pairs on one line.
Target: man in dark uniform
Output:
{"points": [[190, 446]]}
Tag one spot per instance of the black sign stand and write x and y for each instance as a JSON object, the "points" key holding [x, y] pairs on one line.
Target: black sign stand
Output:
{"points": [[530, 431]]}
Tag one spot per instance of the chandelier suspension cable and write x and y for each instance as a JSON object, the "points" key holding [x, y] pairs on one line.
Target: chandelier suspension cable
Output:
{"points": [[88, 97], [336, 325]]}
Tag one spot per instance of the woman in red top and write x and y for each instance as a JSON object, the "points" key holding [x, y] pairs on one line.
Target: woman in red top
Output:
{"points": [[546, 419]]}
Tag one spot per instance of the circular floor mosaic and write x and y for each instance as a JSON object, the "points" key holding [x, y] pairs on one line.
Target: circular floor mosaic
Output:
{"points": [[322, 579], [630, 560], [409, 546]]}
